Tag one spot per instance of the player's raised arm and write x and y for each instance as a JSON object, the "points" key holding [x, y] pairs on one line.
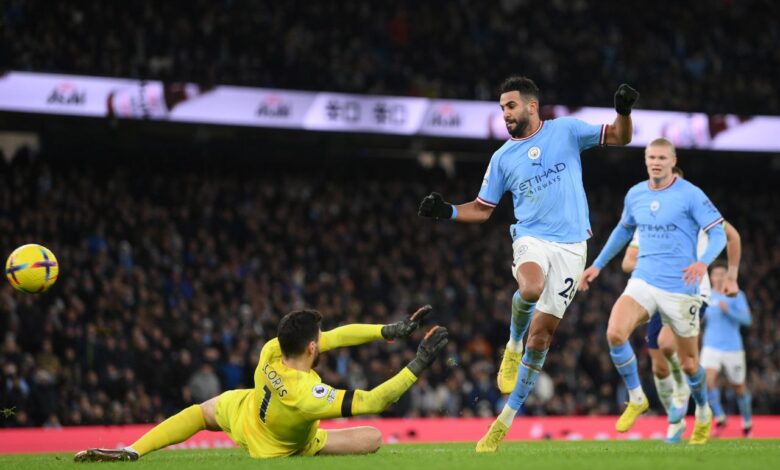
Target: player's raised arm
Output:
{"points": [[353, 335], [621, 130], [346, 403]]}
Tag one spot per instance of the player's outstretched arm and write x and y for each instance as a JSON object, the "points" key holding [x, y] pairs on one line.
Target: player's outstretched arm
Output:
{"points": [[621, 130], [434, 206], [354, 335], [346, 403], [404, 328], [734, 256], [620, 236]]}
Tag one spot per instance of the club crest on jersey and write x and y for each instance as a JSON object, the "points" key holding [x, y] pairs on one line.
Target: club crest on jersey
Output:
{"points": [[654, 206], [319, 391], [534, 153]]}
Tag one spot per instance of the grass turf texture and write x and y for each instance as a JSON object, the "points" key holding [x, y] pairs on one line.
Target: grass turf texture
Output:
{"points": [[590, 455]]}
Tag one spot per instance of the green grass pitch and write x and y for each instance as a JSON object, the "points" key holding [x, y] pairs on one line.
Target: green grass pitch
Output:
{"points": [[590, 455]]}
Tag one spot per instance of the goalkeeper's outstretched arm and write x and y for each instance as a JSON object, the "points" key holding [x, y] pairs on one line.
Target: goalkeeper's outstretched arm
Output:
{"points": [[353, 335], [346, 403]]}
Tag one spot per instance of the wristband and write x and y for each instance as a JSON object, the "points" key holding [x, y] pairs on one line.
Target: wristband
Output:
{"points": [[454, 213]]}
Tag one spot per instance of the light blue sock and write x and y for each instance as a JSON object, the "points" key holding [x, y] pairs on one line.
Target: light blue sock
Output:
{"points": [[698, 384], [744, 405], [522, 312], [625, 362], [529, 370], [717, 409]]}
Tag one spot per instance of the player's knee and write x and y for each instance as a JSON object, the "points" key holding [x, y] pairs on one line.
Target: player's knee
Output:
{"points": [[615, 336], [531, 291], [689, 365], [661, 369], [667, 350]]}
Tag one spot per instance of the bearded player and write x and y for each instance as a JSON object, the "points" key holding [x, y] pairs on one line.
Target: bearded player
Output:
{"points": [[540, 165]]}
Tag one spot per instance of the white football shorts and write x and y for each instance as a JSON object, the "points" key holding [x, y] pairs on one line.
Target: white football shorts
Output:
{"points": [[562, 265]]}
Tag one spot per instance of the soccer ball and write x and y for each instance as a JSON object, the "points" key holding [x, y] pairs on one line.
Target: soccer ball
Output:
{"points": [[32, 269]]}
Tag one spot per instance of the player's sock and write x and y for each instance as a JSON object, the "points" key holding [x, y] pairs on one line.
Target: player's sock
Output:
{"points": [[744, 405], [507, 415], [677, 373], [665, 389], [625, 362], [713, 395], [173, 430], [529, 370], [698, 384], [522, 312]]}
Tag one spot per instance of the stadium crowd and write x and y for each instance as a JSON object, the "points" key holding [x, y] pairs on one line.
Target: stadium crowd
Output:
{"points": [[171, 281], [717, 56]]}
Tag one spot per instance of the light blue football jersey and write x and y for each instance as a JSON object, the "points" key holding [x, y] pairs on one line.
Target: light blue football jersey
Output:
{"points": [[721, 329], [544, 174], [668, 222]]}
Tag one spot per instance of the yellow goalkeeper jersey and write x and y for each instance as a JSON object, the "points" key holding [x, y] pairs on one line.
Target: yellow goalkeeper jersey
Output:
{"points": [[281, 415]]}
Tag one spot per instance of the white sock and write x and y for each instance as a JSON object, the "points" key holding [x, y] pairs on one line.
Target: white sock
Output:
{"points": [[703, 413], [636, 395], [665, 389], [507, 415], [515, 346], [679, 377]]}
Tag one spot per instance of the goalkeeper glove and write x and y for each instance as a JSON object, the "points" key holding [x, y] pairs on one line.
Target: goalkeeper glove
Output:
{"points": [[625, 98], [404, 328], [433, 206], [430, 347]]}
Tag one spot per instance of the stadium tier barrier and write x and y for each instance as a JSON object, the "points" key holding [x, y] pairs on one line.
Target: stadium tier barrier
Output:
{"points": [[77, 95], [394, 430]]}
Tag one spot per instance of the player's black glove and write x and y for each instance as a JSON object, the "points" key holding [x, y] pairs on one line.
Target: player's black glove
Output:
{"points": [[434, 206], [430, 347], [404, 328], [625, 99]]}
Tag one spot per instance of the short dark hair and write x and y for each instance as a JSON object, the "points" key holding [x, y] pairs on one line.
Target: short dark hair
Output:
{"points": [[524, 85], [297, 329], [678, 171], [719, 263]]}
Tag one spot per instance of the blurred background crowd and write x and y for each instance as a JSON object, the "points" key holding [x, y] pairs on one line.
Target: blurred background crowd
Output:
{"points": [[714, 56], [174, 276]]}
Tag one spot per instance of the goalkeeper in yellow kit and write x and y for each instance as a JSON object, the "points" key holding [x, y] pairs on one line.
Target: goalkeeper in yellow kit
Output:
{"points": [[280, 416]]}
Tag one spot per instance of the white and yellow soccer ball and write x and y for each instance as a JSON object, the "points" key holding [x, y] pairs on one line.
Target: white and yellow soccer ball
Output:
{"points": [[32, 269]]}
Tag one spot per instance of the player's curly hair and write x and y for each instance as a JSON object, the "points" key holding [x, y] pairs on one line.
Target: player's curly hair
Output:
{"points": [[524, 85], [297, 329]]}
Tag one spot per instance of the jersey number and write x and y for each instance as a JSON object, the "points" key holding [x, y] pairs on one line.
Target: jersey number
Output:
{"points": [[266, 401], [569, 292]]}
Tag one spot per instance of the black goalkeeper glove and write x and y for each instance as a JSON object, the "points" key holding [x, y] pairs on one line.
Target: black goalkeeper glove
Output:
{"points": [[404, 328], [434, 206], [625, 99], [430, 347]]}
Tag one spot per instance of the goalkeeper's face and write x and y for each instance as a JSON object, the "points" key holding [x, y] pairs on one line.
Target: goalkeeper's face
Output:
{"points": [[517, 111], [314, 351]]}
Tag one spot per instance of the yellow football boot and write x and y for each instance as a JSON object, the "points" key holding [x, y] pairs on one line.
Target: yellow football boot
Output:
{"points": [[633, 410], [701, 432], [507, 373], [493, 438]]}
